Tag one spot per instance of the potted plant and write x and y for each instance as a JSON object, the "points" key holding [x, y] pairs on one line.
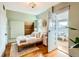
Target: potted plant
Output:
{"points": [[77, 40]]}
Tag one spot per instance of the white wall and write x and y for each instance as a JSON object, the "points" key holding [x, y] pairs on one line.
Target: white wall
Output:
{"points": [[16, 22], [42, 17], [74, 21], [3, 27]]}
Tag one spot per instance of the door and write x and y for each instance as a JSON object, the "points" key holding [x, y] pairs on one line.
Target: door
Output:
{"points": [[3, 29], [16, 29], [62, 30], [52, 34], [3, 23]]}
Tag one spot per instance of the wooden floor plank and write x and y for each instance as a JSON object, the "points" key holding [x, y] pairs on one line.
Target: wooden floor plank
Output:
{"points": [[41, 52], [7, 50]]}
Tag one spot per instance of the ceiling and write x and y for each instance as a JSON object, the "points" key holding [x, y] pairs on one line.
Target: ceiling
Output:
{"points": [[18, 16], [24, 7]]}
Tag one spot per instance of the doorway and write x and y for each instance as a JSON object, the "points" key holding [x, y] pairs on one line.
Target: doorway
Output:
{"points": [[58, 31], [62, 30]]}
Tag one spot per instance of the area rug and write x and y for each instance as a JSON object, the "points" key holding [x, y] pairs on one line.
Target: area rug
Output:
{"points": [[14, 50]]}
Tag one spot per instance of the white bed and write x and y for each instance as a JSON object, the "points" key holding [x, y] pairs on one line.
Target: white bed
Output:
{"points": [[29, 39]]}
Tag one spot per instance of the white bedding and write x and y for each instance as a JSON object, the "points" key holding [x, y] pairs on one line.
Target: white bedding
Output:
{"points": [[28, 39]]}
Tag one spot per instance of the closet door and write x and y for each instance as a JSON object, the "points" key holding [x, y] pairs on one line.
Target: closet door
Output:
{"points": [[16, 29]]}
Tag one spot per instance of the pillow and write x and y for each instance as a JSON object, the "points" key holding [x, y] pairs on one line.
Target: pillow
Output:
{"points": [[38, 35], [33, 34]]}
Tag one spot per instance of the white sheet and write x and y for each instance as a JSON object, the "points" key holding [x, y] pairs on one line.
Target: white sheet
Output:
{"points": [[28, 39]]}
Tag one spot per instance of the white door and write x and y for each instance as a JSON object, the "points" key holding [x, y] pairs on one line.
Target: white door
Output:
{"points": [[62, 31], [3, 29], [16, 29], [52, 34]]}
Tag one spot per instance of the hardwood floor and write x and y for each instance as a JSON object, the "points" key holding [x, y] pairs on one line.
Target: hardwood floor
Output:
{"points": [[7, 51], [63, 47], [41, 52]]}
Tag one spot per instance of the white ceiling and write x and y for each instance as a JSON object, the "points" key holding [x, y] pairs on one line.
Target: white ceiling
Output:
{"points": [[25, 8]]}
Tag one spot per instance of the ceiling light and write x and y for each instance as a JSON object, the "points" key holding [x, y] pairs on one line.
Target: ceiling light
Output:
{"points": [[32, 4]]}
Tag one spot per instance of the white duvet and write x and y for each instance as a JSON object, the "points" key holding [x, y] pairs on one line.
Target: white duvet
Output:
{"points": [[28, 39]]}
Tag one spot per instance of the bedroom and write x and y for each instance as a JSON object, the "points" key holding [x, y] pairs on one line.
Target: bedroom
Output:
{"points": [[25, 31], [28, 32]]}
